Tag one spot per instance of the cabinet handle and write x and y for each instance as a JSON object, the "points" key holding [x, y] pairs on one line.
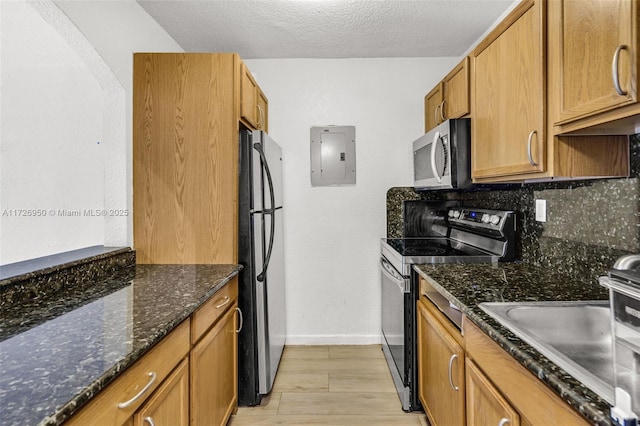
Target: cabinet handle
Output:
{"points": [[152, 380], [149, 420], [260, 116], [226, 302], [614, 70], [241, 320], [504, 421], [442, 111], [435, 114], [533, 163], [453, 358]]}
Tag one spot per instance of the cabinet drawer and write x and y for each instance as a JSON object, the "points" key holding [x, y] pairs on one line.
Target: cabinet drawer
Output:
{"points": [[213, 309], [161, 360]]}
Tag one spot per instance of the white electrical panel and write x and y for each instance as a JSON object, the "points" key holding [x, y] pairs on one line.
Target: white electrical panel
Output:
{"points": [[333, 155]]}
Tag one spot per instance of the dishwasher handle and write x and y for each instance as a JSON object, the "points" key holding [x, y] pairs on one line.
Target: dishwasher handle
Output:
{"points": [[391, 273]]}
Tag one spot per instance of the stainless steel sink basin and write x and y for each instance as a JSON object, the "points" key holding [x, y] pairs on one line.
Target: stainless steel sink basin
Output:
{"points": [[574, 335]]}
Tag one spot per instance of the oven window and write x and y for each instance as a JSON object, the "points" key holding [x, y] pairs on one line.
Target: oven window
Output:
{"points": [[423, 168], [422, 163]]}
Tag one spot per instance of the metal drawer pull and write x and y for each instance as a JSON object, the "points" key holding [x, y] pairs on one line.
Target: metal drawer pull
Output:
{"points": [[504, 421], [442, 110], [241, 320], [149, 420], [152, 380], [453, 358], [614, 70], [226, 302], [533, 163]]}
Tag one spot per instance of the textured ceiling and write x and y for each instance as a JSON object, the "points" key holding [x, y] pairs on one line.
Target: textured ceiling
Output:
{"points": [[326, 28]]}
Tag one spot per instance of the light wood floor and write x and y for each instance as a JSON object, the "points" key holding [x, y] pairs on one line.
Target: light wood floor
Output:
{"points": [[330, 385]]}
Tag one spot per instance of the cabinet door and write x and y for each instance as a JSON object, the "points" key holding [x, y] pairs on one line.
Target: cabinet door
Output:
{"points": [[249, 100], [508, 123], [456, 91], [214, 366], [169, 405], [263, 112], [485, 405], [589, 34], [432, 108], [185, 158], [441, 372]]}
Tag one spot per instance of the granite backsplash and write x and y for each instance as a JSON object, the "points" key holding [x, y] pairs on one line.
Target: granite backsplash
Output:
{"points": [[590, 223]]}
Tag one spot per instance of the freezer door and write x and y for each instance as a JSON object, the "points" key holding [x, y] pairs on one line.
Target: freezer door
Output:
{"points": [[270, 300], [273, 155]]}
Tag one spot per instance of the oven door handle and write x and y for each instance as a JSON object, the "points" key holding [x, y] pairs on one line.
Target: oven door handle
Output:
{"points": [[394, 276]]}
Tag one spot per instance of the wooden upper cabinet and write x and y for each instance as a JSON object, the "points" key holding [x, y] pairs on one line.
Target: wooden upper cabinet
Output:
{"points": [[185, 157], [254, 106], [432, 107], [456, 91], [263, 112], [508, 102], [485, 404], [450, 98], [593, 49], [249, 98]]}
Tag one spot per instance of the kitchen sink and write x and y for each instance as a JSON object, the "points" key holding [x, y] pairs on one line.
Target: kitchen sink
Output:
{"points": [[574, 335]]}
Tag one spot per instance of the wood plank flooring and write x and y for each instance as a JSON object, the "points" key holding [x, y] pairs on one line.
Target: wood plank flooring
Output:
{"points": [[330, 385]]}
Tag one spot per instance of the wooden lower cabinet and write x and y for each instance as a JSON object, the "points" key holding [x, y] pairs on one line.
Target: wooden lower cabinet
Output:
{"points": [[169, 405], [485, 404], [190, 377], [466, 378], [441, 370], [214, 366], [118, 403], [533, 401]]}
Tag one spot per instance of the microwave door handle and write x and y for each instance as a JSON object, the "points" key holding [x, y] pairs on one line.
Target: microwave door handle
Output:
{"points": [[436, 139]]}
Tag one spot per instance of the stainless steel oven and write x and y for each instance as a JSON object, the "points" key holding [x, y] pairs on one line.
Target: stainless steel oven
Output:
{"points": [[452, 235], [396, 296]]}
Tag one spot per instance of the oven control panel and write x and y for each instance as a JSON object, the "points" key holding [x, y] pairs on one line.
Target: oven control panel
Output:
{"points": [[480, 218]]}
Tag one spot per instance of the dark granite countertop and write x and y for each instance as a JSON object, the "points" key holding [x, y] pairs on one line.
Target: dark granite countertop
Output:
{"points": [[57, 352], [467, 285]]}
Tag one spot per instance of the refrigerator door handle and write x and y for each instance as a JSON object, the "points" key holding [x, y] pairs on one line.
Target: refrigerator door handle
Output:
{"points": [[270, 211]]}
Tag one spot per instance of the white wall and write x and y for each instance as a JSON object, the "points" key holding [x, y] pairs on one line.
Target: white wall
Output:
{"points": [[117, 29], [56, 94], [332, 233], [56, 59]]}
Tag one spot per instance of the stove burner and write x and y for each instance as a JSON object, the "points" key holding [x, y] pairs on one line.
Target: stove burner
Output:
{"points": [[424, 251]]}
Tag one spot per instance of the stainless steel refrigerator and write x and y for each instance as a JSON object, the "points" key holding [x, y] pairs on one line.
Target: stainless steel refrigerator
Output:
{"points": [[261, 252]]}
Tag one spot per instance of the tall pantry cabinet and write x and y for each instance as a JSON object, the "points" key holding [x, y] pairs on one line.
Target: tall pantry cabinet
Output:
{"points": [[186, 109]]}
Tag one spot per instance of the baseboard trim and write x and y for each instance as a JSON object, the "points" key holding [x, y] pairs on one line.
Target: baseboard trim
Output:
{"points": [[337, 339]]}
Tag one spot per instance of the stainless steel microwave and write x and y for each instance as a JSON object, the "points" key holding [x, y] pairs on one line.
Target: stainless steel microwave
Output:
{"points": [[442, 157]]}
